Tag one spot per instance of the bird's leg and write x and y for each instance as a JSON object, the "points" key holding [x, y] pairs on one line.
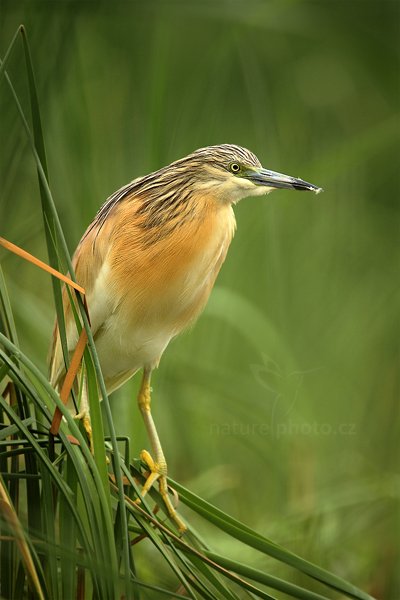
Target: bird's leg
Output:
{"points": [[158, 464], [84, 412]]}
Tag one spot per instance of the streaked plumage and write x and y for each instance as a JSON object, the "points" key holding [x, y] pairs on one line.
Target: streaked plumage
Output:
{"points": [[149, 259]]}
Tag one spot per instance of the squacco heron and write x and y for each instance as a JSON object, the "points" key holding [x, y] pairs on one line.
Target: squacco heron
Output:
{"points": [[148, 263]]}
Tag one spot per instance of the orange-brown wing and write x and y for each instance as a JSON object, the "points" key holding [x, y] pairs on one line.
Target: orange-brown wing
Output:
{"points": [[88, 261], [89, 264]]}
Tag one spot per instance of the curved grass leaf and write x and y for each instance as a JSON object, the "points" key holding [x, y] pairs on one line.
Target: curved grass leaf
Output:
{"points": [[269, 580], [249, 537]]}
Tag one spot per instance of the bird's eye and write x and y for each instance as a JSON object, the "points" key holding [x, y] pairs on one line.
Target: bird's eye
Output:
{"points": [[235, 168]]}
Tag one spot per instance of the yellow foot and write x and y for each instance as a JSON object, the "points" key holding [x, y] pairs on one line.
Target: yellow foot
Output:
{"points": [[84, 417], [159, 473]]}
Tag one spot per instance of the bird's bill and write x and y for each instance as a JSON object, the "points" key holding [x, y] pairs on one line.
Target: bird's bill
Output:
{"points": [[273, 179]]}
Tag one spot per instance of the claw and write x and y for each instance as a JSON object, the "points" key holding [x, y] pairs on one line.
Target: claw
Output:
{"points": [[85, 418], [158, 473]]}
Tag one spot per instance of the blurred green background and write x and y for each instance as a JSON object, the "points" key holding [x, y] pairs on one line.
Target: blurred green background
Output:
{"points": [[281, 405]]}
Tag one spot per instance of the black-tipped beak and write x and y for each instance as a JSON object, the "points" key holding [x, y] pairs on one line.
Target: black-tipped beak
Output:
{"points": [[273, 179]]}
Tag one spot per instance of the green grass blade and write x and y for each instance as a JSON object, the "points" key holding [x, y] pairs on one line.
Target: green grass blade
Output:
{"points": [[51, 225], [97, 426], [214, 584], [48, 508], [249, 537], [269, 580], [214, 578], [6, 315], [5, 432], [7, 55], [68, 534], [154, 537]]}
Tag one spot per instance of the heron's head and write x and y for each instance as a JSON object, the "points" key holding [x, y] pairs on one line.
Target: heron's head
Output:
{"points": [[232, 173]]}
